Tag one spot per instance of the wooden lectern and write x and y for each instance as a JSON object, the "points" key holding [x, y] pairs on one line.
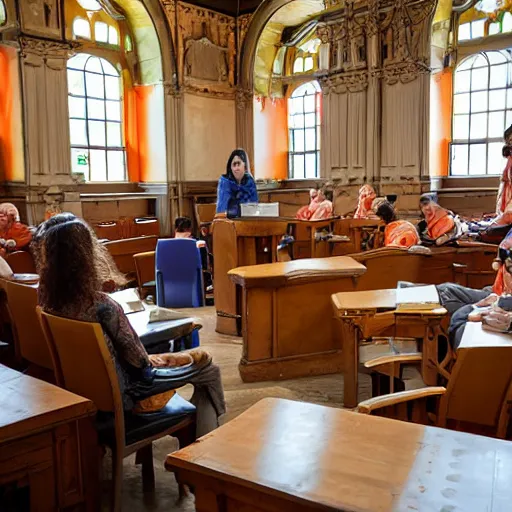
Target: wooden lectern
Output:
{"points": [[239, 243]]}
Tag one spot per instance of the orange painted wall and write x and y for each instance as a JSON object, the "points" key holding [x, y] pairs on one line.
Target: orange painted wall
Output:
{"points": [[270, 139], [11, 139], [440, 122], [145, 133]]}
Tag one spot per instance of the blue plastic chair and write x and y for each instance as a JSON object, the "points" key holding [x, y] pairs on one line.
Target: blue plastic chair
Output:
{"points": [[179, 276]]}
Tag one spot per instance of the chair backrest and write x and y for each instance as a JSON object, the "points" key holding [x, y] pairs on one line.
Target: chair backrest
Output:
{"points": [[179, 275], [146, 226], [205, 212], [21, 262], [107, 230], [145, 267], [479, 387], [122, 251], [85, 364], [22, 303]]}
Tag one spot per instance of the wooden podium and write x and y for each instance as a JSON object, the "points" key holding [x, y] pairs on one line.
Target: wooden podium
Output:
{"points": [[238, 243]]}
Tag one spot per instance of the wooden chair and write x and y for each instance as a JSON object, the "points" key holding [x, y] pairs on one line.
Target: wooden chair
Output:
{"points": [[85, 367], [476, 399], [28, 335], [122, 251], [145, 269], [21, 262]]}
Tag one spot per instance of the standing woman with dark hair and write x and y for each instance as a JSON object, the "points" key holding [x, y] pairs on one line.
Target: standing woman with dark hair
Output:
{"points": [[237, 186]]}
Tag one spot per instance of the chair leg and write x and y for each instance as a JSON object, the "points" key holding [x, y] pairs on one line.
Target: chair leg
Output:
{"points": [[117, 479], [144, 456]]}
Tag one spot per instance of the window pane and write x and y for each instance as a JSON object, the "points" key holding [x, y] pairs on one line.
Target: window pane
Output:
{"points": [[461, 104], [298, 140], [112, 86], [113, 37], [90, 5], [311, 139], [479, 101], [310, 119], [81, 28], [477, 160], [498, 76], [462, 81], [76, 107], [496, 124], [116, 170], [94, 84], [101, 32], [477, 29], [80, 161], [96, 133], [459, 159], [509, 98], [318, 133], [495, 158], [298, 65], [95, 109], [478, 126], [496, 57], [113, 134], [479, 79], [311, 165], [308, 63], [94, 64], [507, 22], [298, 166], [76, 82], [128, 45], [494, 28], [109, 69], [298, 121], [497, 99], [508, 118], [78, 135], [461, 127], [464, 32], [98, 165], [309, 103], [113, 110]]}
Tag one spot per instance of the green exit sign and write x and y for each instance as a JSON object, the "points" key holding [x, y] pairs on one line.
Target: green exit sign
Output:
{"points": [[81, 159]]}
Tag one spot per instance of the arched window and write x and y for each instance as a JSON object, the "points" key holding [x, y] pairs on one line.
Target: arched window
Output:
{"points": [[304, 130], [95, 119], [482, 109], [3, 13]]}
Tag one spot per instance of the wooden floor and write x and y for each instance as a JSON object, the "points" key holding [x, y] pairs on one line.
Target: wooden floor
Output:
{"points": [[226, 351]]}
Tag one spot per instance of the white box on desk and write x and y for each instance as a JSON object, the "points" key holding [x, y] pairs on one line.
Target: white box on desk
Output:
{"points": [[259, 210]]}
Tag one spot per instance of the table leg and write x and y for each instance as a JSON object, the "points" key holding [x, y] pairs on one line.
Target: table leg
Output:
{"points": [[350, 350]]}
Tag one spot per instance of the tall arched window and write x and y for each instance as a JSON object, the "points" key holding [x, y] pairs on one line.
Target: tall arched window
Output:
{"points": [[304, 130], [95, 119], [3, 13], [482, 109]]}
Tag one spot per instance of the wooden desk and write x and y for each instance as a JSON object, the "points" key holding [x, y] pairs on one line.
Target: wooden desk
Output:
{"points": [[364, 314], [48, 442], [476, 336], [304, 233], [287, 316], [284, 456], [237, 243], [354, 228]]}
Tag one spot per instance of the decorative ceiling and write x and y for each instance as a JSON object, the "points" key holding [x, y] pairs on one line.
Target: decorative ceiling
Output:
{"points": [[231, 7]]}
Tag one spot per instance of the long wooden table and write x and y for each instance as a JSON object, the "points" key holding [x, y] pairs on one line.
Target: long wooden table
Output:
{"points": [[363, 314], [287, 324], [283, 456], [48, 443]]}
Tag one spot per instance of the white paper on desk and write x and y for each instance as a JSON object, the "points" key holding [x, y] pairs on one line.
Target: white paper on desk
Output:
{"points": [[417, 296], [163, 314], [133, 306]]}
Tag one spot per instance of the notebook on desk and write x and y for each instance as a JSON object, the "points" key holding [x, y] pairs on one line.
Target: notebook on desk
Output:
{"points": [[417, 297]]}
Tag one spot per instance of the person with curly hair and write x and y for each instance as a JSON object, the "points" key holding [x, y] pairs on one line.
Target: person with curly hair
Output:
{"points": [[14, 235], [110, 277], [68, 287]]}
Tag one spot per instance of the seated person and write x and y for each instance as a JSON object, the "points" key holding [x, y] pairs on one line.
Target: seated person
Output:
{"points": [[397, 233], [14, 235], [237, 186], [461, 301], [364, 204], [439, 226], [110, 277], [183, 229], [319, 208], [69, 284]]}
